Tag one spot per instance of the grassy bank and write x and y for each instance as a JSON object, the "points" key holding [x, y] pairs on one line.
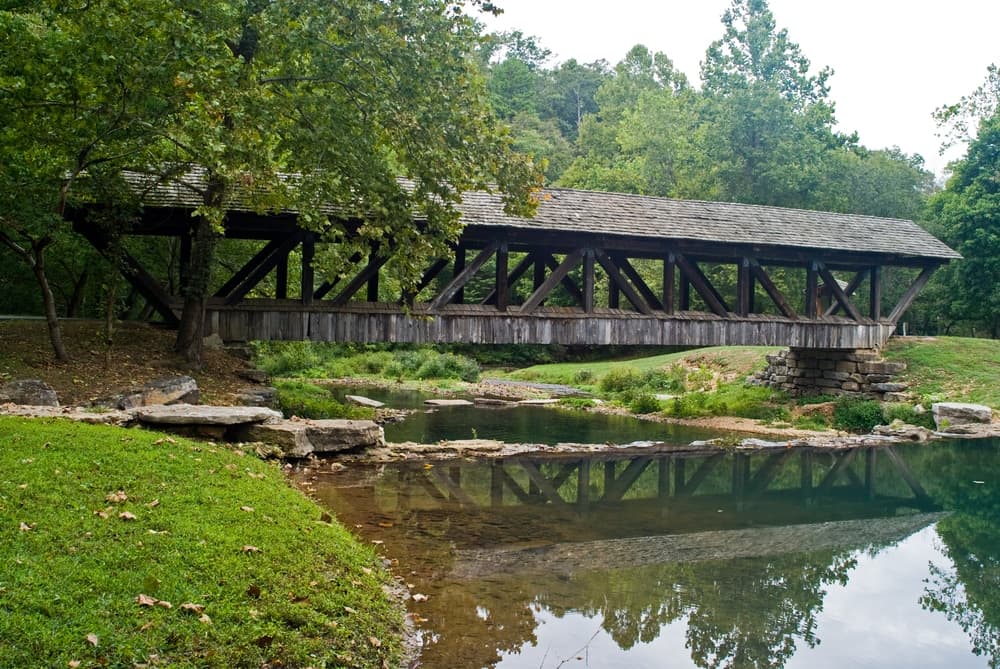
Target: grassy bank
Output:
{"points": [[101, 527], [958, 369]]}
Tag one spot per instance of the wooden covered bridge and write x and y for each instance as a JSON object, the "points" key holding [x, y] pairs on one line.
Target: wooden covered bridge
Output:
{"points": [[589, 268]]}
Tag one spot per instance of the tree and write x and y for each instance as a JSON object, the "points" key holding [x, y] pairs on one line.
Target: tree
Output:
{"points": [[349, 98]]}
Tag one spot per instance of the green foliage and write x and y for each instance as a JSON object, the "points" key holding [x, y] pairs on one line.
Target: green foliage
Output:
{"points": [[621, 379], [731, 399], [857, 415], [644, 403], [307, 594], [906, 414], [577, 402], [307, 400]]}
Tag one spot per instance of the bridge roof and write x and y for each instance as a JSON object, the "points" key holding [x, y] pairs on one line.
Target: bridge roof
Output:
{"points": [[564, 210], [620, 214]]}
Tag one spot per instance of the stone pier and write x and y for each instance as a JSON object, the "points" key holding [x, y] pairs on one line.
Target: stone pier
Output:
{"points": [[857, 372]]}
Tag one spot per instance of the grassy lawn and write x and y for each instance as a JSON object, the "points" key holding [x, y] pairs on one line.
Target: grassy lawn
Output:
{"points": [[101, 527], [950, 368], [736, 360]]}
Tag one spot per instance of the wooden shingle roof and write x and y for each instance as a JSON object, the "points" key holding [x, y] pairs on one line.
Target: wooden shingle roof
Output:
{"points": [[645, 217]]}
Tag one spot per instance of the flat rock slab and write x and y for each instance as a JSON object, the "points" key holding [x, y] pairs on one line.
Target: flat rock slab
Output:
{"points": [[301, 438], [492, 402], [956, 413], [363, 401], [191, 414], [448, 403], [80, 414], [172, 390], [538, 402]]}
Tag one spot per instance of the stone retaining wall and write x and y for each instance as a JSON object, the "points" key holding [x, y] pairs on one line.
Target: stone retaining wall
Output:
{"points": [[858, 372]]}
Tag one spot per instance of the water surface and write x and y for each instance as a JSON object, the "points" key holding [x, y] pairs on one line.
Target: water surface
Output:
{"points": [[794, 558]]}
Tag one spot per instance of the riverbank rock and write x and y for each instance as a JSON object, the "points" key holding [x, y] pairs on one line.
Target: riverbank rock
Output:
{"points": [[258, 396], [539, 402], [216, 422], [29, 392], [301, 438], [447, 403], [363, 401], [950, 414], [173, 390]]}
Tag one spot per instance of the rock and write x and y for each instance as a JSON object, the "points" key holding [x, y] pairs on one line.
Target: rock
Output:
{"points": [[947, 414], [29, 392], [492, 401], [362, 401], [904, 431], [174, 390], [300, 438], [213, 342], [254, 375], [448, 403], [190, 414], [258, 396], [889, 387], [541, 402]]}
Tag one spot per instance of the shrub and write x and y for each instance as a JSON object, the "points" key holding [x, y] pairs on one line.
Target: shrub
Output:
{"points": [[907, 414], [576, 402], [644, 403], [672, 379], [448, 366], [583, 376], [287, 358], [307, 400], [620, 379], [857, 415]]}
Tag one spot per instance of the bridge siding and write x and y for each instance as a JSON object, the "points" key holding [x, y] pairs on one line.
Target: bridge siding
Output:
{"points": [[463, 325]]}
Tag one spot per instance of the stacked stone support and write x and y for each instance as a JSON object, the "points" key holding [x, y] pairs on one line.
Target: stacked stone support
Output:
{"points": [[856, 372]]}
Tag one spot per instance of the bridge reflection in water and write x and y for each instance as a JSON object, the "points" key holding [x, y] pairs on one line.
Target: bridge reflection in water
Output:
{"points": [[639, 540]]}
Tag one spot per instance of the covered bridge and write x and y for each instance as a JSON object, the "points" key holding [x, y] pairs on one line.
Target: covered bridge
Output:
{"points": [[589, 268]]}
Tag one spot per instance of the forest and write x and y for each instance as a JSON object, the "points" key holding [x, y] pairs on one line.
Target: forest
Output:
{"points": [[351, 100]]}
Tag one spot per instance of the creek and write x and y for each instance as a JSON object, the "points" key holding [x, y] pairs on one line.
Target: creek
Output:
{"points": [[886, 557]]}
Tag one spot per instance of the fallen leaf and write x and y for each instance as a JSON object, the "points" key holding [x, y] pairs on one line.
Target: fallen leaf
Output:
{"points": [[73, 664], [147, 626], [92, 639], [23, 486], [378, 542], [193, 608], [253, 591], [116, 497], [374, 641], [152, 505], [368, 570], [385, 524], [349, 609], [420, 598], [166, 605], [145, 600], [248, 509], [126, 515], [25, 527], [204, 619], [250, 549]]}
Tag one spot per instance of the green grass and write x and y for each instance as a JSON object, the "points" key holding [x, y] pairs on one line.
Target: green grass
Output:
{"points": [[738, 358], [950, 368], [309, 595], [732, 399], [307, 400]]}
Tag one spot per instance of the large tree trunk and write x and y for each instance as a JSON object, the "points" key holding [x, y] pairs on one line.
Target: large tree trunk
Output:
{"points": [[195, 279]]}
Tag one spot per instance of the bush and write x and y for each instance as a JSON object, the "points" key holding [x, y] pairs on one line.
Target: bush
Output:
{"points": [[906, 414], [576, 402], [673, 379], [857, 415], [583, 376], [307, 400], [620, 379], [287, 358], [449, 366], [644, 403]]}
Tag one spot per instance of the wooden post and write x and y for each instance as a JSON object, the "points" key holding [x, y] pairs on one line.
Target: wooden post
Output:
{"points": [[281, 278], [614, 296], [583, 483], [372, 295], [875, 293], [502, 289], [678, 475], [685, 293], [744, 287], [812, 287], [558, 274], [539, 277], [669, 270], [308, 277], [588, 281], [459, 268], [451, 291], [871, 460], [663, 477], [772, 290], [806, 474]]}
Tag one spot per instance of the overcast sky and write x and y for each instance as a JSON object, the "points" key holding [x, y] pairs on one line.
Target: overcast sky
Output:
{"points": [[894, 61]]}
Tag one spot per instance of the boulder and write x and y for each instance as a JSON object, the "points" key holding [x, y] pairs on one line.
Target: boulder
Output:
{"points": [[362, 401], [947, 414], [254, 375], [258, 396], [29, 392], [448, 403], [300, 438], [173, 390], [190, 414]]}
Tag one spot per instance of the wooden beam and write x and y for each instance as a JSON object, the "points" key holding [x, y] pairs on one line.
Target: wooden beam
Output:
{"points": [[911, 293], [281, 277], [838, 466], [372, 292], [539, 277], [308, 275], [669, 266], [459, 267], [567, 283], [852, 287], [502, 287], [558, 274], [685, 293], [615, 276], [544, 485], [513, 277], [588, 281], [455, 286], [744, 287], [614, 295], [772, 290], [633, 275], [838, 293], [699, 476], [264, 268], [875, 293], [697, 278], [375, 263], [250, 265], [812, 297], [625, 480]]}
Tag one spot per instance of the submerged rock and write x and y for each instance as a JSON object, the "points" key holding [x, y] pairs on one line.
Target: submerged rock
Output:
{"points": [[363, 401], [447, 403]]}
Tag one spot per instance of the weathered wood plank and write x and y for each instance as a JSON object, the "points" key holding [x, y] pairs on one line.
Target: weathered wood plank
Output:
{"points": [[911, 293], [461, 278], [555, 277]]}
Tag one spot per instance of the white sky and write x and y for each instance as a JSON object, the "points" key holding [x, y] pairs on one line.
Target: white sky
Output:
{"points": [[894, 61]]}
